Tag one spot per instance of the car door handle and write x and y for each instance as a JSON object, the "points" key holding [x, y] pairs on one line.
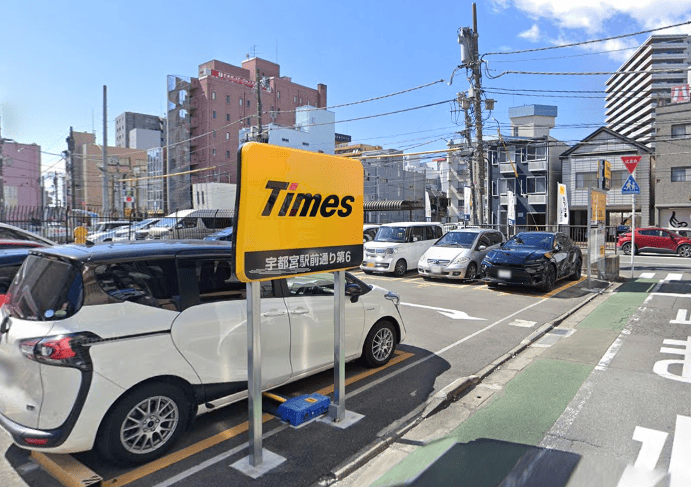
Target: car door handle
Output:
{"points": [[299, 311], [274, 313]]}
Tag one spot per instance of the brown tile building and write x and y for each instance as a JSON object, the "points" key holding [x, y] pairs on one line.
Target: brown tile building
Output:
{"points": [[206, 113]]}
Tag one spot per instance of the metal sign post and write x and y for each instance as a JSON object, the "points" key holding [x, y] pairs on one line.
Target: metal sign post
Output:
{"points": [[297, 213], [337, 408], [633, 230], [254, 367]]}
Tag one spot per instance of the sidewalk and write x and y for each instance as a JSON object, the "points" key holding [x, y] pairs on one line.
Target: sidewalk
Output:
{"points": [[504, 418]]}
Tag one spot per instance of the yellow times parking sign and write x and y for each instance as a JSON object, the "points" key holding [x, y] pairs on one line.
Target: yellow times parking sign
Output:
{"points": [[297, 212]]}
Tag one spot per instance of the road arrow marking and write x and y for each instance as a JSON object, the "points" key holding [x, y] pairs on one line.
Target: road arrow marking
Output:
{"points": [[449, 313]]}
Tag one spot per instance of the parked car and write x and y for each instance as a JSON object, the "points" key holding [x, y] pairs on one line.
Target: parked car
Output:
{"points": [[20, 244], [11, 232], [103, 229], [79, 371], [398, 247], [225, 235], [188, 224], [536, 259], [122, 232], [459, 253], [653, 239]]}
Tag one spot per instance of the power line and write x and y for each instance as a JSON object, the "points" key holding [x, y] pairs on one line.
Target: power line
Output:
{"points": [[582, 43]]}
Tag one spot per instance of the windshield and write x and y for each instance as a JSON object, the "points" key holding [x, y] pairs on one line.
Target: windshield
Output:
{"points": [[390, 234], [463, 240], [45, 289], [541, 241]]}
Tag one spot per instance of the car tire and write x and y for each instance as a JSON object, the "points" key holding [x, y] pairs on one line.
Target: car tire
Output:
{"points": [[400, 268], [626, 248], [492, 284], [168, 413], [549, 278], [380, 344], [577, 271], [684, 250], [368, 272], [471, 271]]}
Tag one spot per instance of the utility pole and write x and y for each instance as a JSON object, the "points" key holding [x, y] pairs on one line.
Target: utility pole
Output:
{"points": [[259, 105], [470, 58], [2, 174], [479, 150], [105, 198], [70, 168]]}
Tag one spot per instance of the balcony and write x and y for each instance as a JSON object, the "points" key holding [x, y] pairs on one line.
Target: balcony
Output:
{"points": [[537, 199], [537, 166], [506, 168], [504, 200]]}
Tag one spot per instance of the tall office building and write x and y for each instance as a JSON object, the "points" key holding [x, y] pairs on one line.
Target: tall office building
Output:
{"points": [[139, 131], [643, 83]]}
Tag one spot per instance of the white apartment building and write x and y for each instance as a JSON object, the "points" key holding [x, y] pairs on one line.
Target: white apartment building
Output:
{"points": [[643, 83]]}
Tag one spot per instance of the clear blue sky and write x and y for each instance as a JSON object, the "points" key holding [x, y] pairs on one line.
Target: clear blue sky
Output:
{"points": [[56, 57]]}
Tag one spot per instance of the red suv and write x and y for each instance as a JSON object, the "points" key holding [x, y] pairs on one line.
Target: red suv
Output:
{"points": [[653, 239]]}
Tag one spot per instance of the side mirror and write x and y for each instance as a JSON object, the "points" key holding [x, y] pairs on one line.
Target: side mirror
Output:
{"points": [[482, 247], [353, 290]]}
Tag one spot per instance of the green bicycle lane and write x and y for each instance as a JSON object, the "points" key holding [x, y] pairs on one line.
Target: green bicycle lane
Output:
{"points": [[526, 407]]}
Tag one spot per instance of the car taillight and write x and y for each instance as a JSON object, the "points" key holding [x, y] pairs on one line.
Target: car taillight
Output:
{"points": [[63, 350]]}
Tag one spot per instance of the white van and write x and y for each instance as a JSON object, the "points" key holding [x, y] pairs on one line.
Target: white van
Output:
{"points": [[194, 224], [397, 247]]}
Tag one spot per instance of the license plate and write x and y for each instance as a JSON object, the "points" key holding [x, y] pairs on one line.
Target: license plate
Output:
{"points": [[504, 274], [436, 269], [370, 264]]}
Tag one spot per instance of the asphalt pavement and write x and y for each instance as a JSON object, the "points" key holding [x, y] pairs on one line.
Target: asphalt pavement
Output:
{"points": [[600, 398]]}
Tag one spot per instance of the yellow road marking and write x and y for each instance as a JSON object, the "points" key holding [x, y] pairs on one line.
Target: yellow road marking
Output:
{"points": [[187, 452]]}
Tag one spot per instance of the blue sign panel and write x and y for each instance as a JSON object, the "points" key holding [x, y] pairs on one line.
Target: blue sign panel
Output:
{"points": [[630, 186]]}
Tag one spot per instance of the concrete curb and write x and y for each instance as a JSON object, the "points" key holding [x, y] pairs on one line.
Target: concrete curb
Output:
{"points": [[442, 399]]}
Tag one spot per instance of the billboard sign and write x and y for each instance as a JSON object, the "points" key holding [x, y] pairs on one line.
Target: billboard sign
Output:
{"points": [[563, 204], [298, 212]]}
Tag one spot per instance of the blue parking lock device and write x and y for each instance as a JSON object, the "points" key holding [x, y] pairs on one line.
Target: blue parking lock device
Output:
{"points": [[298, 410]]}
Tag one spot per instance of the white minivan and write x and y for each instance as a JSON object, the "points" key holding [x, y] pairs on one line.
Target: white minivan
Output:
{"points": [[397, 247]]}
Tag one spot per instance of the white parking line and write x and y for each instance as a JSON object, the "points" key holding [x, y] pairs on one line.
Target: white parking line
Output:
{"points": [[189, 472], [647, 275], [673, 277]]}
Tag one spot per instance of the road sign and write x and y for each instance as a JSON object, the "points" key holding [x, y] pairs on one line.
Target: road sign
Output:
{"points": [[630, 186], [297, 212], [631, 162]]}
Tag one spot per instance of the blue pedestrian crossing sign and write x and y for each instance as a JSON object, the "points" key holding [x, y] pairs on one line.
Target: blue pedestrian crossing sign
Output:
{"points": [[630, 186]]}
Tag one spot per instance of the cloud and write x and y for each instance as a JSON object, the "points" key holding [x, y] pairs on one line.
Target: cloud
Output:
{"points": [[533, 34], [589, 19]]}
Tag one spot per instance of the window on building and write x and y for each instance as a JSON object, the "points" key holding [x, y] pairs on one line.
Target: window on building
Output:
{"points": [[248, 103], [213, 152], [585, 180], [680, 174], [536, 185], [227, 98], [284, 139], [535, 152], [515, 131], [507, 185], [227, 117], [503, 154], [306, 144], [227, 154], [213, 95], [227, 135], [214, 114], [300, 100], [619, 178], [213, 134], [295, 98], [278, 94], [678, 131], [240, 100]]}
